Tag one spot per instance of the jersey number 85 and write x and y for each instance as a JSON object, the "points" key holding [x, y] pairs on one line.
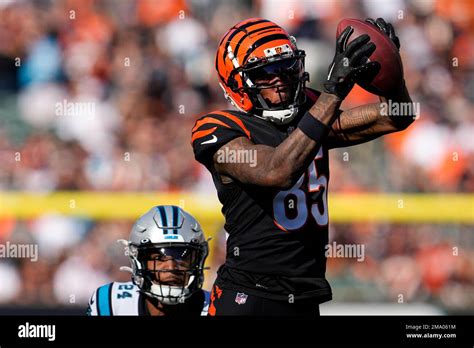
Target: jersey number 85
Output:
{"points": [[315, 183]]}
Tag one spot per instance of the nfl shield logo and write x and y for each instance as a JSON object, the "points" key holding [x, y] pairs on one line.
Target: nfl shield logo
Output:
{"points": [[241, 298]]}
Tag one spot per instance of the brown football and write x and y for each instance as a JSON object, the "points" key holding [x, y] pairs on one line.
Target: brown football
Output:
{"points": [[386, 53]]}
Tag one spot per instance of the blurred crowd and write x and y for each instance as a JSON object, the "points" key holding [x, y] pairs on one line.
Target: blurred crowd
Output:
{"points": [[102, 95]]}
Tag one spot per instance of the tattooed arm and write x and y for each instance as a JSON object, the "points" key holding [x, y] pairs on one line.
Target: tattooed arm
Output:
{"points": [[370, 121], [279, 166]]}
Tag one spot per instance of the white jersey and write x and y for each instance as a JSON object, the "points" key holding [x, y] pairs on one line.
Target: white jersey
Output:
{"points": [[124, 299]]}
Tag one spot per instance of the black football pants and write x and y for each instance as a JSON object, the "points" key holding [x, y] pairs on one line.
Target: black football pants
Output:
{"points": [[226, 302]]}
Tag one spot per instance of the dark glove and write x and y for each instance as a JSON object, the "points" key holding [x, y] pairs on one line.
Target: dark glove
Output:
{"points": [[349, 63], [387, 28]]}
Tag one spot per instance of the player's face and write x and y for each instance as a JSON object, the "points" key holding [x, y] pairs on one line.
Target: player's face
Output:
{"points": [[279, 93], [169, 266], [277, 80]]}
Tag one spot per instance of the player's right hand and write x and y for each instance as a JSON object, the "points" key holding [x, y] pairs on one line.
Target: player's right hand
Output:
{"points": [[387, 28], [349, 63]]}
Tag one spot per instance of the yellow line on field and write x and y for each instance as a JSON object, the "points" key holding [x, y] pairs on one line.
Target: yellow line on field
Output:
{"points": [[402, 208], [367, 207]]}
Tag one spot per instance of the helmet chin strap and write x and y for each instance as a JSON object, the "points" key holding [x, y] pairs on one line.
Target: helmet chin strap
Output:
{"points": [[277, 116], [280, 116], [170, 295]]}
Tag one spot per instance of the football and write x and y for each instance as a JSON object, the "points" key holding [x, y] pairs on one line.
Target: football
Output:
{"points": [[386, 53]]}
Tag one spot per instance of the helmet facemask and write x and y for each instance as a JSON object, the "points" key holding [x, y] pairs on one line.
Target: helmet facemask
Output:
{"points": [[169, 272], [282, 76]]}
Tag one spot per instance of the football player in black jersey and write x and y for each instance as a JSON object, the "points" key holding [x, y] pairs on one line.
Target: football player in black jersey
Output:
{"points": [[269, 163]]}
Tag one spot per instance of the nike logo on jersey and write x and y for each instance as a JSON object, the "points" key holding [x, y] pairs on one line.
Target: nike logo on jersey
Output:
{"points": [[211, 141]]}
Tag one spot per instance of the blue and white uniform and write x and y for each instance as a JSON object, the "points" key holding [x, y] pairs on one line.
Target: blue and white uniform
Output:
{"points": [[125, 299]]}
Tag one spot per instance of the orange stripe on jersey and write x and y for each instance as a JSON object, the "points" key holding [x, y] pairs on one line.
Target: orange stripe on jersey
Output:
{"points": [[207, 120], [236, 120], [280, 226], [202, 133]]}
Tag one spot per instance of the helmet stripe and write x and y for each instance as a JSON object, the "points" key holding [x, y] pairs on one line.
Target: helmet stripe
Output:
{"points": [[229, 36], [175, 219], [236, 50], [244, 26], [164, 219], [238, 30], [262, 41]]}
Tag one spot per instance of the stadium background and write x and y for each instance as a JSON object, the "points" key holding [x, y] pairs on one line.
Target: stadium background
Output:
{"points": [[72, 183]]}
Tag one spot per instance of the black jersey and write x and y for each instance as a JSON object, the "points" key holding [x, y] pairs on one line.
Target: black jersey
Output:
{"points": [[277, 239]]}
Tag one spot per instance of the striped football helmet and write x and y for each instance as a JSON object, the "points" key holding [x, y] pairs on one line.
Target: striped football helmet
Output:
{"points": [[167, 250], [258, 49]]}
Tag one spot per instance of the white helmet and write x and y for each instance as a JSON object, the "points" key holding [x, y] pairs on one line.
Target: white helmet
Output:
{"points": [[169, 232]]}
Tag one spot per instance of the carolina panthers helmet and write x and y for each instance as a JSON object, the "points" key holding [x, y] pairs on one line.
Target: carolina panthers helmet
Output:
{"points": [[167, 232]]}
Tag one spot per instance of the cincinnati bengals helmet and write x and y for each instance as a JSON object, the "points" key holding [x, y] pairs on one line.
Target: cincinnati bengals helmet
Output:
{"points": [[258, 50]]}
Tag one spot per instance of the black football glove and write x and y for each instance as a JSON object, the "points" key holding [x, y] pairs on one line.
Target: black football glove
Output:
{"points": [[350, 63], [387, 28]]}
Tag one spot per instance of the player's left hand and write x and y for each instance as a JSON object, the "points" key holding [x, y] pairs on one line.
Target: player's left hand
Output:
{"points": [[387, 28]]}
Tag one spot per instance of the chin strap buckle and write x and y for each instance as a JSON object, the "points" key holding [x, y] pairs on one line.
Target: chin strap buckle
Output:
{"points": [[280, 116]]}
